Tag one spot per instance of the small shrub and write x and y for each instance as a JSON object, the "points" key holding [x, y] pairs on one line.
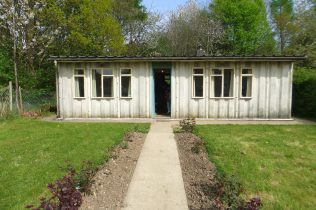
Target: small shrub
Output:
{"points": [[84, 178], [253, 204], [177, 130], [65, 195], [226, 192], [197, 147], [124, 145], [187, 125]]}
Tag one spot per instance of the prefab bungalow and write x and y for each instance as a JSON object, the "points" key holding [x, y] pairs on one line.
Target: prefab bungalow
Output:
{"points": [[208, 87]]}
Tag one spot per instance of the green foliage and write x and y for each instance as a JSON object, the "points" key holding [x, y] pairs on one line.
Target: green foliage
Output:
{"points": [[282, 15], [6, 70], [304, 94], [246, 26], [303, 38], [88, 28]]}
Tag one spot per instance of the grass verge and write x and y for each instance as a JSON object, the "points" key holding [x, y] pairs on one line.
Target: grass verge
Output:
{"points": [[33, 152], [275, 162]]}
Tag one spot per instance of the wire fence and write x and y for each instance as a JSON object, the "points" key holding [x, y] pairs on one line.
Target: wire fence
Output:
{"points": [[32, 100], [5, 100], [37, 100]]}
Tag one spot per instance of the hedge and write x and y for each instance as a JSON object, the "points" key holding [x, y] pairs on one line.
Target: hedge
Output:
{"points": [[304, 92]]}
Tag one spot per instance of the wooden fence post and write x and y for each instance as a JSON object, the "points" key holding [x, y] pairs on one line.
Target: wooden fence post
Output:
{"points": [[10, 95], [21, 101]]}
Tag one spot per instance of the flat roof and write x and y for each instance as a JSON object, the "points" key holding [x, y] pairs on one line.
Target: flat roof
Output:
{"points": [[176, 58]]}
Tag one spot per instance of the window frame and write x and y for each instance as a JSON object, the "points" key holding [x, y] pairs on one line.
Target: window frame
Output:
{"points": [[246, 75], [192, 82], [84, 82], [221, 75], [102, 75], [126, 75]]}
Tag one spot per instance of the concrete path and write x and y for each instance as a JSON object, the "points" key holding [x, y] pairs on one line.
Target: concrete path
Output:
{"points": [[157, 183]]}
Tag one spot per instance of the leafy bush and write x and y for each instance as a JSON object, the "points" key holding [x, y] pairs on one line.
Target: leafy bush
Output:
{"points": [[65, 195], [197, 146], [84, 178], [226, 191], [304, 94], [187, 125], [253, 204]]}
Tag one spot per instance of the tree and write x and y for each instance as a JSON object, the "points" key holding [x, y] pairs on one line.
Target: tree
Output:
{"points": [[136, 24], [303, 40], [246, 26], [15, 15], [87, 28], [282, 16], [188, 28]]}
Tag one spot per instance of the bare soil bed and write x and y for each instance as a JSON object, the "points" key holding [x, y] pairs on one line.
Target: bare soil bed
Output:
{"points": [[112, 179], [197, 171]]}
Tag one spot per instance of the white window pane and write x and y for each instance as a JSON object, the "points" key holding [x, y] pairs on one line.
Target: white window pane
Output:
{"points": [[79, 87], [216, 86], [96, 83], [228, 82], [246, 89], [126, 71], [107, 86], [198, 86], [126, 86]]}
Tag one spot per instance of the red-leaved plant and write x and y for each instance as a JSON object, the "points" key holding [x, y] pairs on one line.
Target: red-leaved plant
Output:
{"points": [[64, 195]]}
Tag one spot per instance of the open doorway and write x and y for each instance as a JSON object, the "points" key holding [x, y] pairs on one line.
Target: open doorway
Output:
{"points": [[162, 79]]}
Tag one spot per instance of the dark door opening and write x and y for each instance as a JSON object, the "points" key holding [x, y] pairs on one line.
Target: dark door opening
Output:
{"points": [[162, 91]]}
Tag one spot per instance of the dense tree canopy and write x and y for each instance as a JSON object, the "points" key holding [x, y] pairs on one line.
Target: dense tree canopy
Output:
{"points": [[247, 30]]}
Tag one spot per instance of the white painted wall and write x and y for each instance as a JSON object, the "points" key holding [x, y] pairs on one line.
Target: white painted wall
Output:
{"points": [[139, 106], [271, 98]]}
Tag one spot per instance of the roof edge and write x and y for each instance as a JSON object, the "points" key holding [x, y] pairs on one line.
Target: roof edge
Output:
{"points": [[176, 58]]}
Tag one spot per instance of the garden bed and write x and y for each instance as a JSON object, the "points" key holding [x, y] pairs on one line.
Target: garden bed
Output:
{"points": [[112, 180], [197, 171]]}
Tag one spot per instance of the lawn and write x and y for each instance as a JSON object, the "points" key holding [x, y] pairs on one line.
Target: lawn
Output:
{"points": [[33, 152], [277, 163]]}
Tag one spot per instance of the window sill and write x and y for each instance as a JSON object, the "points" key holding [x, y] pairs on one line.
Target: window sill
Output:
{"points": [[126, 97], [79, 98], [245, 98], [197, 97]]}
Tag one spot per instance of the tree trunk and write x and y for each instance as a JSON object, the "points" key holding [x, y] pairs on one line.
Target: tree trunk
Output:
{"points": [[17, 98]]}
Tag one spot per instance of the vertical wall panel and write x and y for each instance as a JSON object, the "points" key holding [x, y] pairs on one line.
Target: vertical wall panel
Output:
{"points": [[272, 88]]}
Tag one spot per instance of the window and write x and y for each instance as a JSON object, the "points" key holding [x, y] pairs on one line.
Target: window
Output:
{"points": [[246, 83], [102, 83], [222, 83], [79, 83], [198, 83], [126, 80]]}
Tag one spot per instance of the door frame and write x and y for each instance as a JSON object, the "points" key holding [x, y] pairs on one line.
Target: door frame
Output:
{"points": [[158, 66]]}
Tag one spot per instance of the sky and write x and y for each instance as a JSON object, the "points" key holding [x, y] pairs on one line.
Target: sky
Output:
{"points": [[163, 5]]}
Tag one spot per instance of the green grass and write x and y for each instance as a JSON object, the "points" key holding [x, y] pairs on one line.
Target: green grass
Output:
{"points": [[33, 152], [277, 163]]}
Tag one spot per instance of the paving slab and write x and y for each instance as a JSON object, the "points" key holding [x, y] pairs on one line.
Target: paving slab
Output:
{"points": [[157, 182]]}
